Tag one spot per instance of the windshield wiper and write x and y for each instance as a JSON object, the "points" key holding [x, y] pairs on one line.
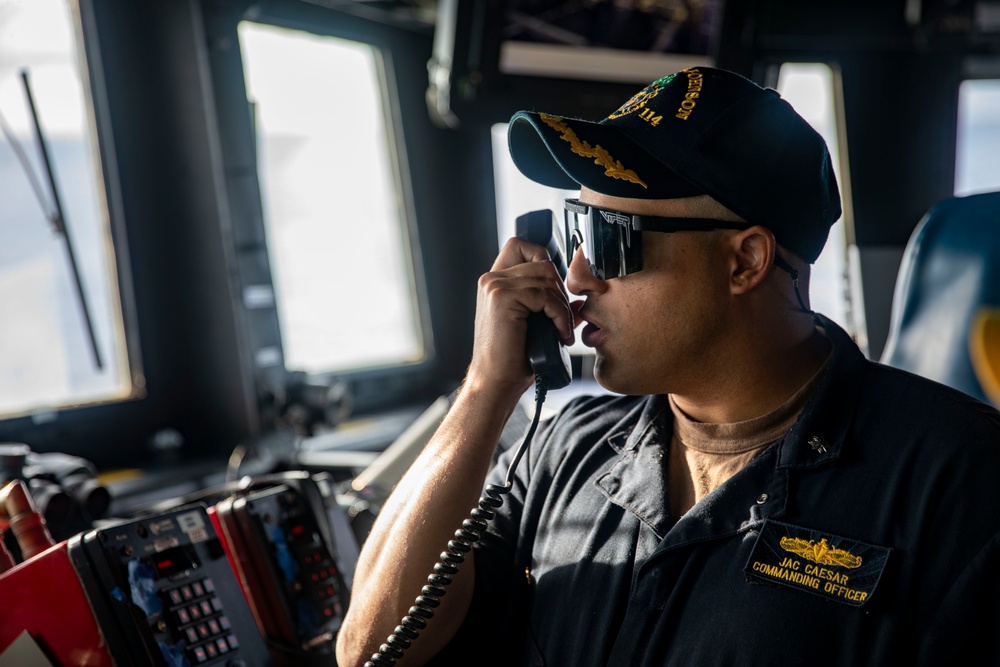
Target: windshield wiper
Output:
{"points": [[55, 214]]}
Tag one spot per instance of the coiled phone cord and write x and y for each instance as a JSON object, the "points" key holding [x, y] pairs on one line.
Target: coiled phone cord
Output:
{"points": [[445, 569]]}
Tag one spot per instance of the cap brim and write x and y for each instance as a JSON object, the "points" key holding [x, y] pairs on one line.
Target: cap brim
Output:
{"points": [[568, 153]]}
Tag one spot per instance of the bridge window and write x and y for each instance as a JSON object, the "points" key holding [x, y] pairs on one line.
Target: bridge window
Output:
{"points": [[808, 87], [978, 137], [334, 217], [62, 342]]}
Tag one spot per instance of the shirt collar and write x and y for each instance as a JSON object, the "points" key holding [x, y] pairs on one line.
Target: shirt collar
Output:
{"points": [[818, 435]]}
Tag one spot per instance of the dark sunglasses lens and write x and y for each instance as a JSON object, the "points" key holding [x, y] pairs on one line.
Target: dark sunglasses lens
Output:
{"points": [[630, 245], [580, 234], [611, 247], [606, 246]]}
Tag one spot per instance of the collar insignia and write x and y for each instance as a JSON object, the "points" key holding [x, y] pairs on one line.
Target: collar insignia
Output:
{"points": [[837, 568]]}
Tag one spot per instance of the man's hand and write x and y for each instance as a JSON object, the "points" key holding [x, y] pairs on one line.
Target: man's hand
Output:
{"points": [[521, 281]]}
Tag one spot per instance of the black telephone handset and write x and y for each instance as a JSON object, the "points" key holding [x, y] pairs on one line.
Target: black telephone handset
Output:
{"points": [[548, 357]]}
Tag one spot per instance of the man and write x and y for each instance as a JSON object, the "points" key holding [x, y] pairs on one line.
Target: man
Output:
{"points": [[760, 494]]}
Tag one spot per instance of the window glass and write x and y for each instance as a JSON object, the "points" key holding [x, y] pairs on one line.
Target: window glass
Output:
{"points": [[334, 220], [808, 87], [47, 357], [976, 166]]}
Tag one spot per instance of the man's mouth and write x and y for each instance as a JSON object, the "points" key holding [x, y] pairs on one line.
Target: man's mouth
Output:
{"points": [[591, 335]]}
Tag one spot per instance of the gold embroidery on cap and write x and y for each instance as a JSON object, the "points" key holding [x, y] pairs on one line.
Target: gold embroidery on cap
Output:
{"points": [[638, 101], [820, 552], [695, 79], [612, 167]]}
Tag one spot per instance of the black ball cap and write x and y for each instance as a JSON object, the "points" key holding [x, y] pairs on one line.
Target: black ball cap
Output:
{"points": [[698, 131]]}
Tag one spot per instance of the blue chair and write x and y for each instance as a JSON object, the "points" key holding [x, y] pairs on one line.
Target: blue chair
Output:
{"points": [[946, 307], [984, 344]]}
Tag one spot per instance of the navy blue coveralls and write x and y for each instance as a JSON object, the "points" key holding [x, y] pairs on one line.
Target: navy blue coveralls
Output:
{"points": [[868, 535]]}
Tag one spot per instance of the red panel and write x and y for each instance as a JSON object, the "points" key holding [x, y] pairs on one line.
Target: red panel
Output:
{"points": [[44, 596], [213, 514]]}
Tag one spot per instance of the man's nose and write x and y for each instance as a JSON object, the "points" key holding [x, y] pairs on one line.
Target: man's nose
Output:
{"points": [[579, 278]]}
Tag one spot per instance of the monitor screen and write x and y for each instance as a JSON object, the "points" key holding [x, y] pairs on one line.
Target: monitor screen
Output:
{"points": [[608, 39]]}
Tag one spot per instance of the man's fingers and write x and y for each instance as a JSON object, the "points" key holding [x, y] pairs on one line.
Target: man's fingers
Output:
{"points": [[562, 315], [518, 251], [520, 295], [522, 281]]}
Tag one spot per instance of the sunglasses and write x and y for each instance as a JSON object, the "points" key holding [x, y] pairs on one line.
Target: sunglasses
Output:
{"points": [[611, 240]]}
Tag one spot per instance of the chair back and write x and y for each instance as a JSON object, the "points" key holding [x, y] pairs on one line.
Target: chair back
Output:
{"points": [[947, 297]]}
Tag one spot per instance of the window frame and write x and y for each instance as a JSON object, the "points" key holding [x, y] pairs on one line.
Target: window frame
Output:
{"points": [[372, 388], [110, 208]]}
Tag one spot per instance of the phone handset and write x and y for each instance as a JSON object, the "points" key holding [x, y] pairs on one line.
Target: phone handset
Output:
{"points": [[548, 357]]}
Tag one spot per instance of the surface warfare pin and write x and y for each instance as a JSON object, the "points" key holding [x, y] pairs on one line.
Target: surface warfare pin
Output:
{"points": [[833, 567]]}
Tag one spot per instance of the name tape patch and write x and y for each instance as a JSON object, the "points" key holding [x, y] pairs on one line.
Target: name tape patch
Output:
{"points": [[837, 568]]}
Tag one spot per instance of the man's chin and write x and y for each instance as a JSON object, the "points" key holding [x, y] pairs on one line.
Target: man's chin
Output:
{"points": [[611, 377]]}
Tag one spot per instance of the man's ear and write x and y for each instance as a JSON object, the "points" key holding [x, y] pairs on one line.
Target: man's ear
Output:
{"points": [[753, 255]]}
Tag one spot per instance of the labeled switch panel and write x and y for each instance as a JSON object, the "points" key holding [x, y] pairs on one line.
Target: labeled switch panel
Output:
{"points": [[164, 593], [283, 549]]}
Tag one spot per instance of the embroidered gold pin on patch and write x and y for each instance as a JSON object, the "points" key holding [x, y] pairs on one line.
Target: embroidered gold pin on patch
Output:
{"points": [[820, 552], [837, 568], [612, 167]]}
